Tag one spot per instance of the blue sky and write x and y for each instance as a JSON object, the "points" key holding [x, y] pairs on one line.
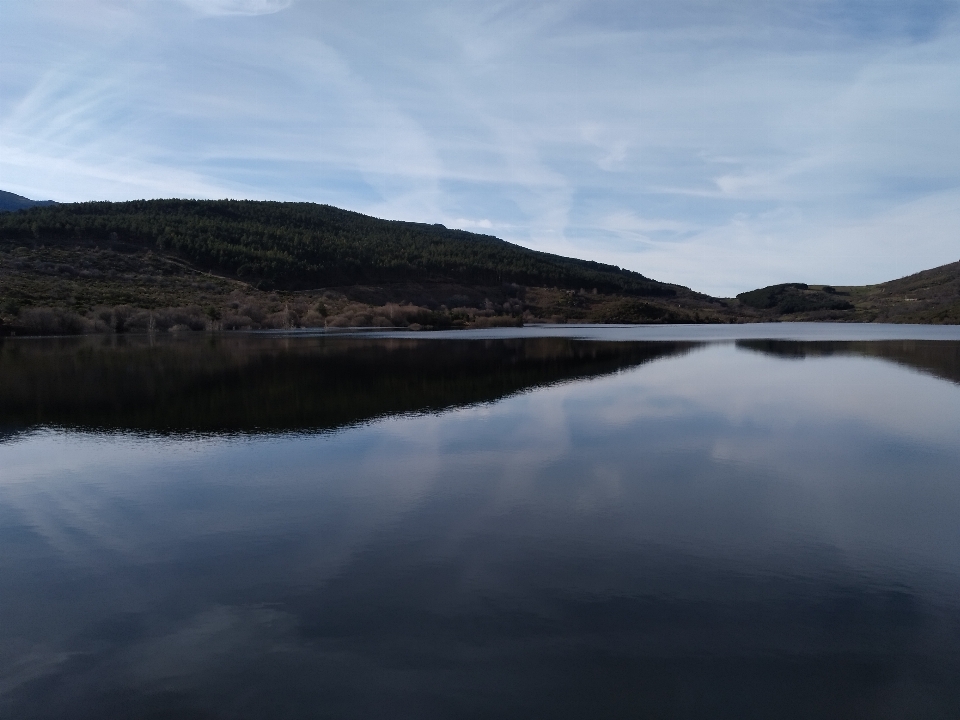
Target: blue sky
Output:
{"points": [[721, 145]]}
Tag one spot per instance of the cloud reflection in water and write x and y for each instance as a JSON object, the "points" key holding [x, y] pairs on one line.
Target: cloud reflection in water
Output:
{"points": [[722, 533]]}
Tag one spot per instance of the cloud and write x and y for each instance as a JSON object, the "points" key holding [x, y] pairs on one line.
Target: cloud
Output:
{"points": [[466, 224], [237, 7], [789, 246], [630, 222]]}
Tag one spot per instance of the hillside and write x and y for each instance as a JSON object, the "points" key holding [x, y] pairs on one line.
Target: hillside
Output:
{"points": [[928, 297], [160, 264], [194, 265], [294, 246], [10, 202]]}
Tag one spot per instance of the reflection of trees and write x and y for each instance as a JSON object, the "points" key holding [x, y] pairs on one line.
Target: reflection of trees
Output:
{"points": [[936, 357], [269, 384]]}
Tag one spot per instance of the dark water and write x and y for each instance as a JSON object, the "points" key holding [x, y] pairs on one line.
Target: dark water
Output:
{"points": [[530, 527]]}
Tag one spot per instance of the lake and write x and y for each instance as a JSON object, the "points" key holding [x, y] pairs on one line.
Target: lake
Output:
{"points": [[668, 522]]}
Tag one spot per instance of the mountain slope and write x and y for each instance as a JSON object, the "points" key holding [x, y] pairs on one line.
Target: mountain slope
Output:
{"points": [[927, 297], [10, 202], [184, 264], [294, 246], [930, 296], [159, 264]]}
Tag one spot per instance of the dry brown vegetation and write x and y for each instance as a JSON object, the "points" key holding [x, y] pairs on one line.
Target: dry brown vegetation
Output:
{"points": [[928, 297], [64, 289], [57, 289]]}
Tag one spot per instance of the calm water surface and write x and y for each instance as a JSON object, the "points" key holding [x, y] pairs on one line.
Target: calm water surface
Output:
{"points": [[498, 525]]}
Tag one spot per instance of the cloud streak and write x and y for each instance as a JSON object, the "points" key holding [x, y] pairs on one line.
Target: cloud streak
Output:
{"points": [[237, 7]]}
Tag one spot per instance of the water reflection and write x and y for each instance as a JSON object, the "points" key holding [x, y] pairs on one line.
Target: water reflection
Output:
{"points": [[937, 358], [716, 533], [266, 384]]}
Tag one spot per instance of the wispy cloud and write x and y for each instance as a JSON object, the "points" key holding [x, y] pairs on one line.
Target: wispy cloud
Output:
{"points": [[237, 7]]}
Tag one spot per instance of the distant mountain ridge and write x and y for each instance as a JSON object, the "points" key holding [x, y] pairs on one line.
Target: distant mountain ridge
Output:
{"points": [[10, 202]]}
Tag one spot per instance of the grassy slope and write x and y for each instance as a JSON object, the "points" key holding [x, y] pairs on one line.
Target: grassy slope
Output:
{"points": [[931, 296], [928, 297]]}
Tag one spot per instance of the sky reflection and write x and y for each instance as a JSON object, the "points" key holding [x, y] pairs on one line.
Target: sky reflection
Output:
{"points": [[676, 537]]}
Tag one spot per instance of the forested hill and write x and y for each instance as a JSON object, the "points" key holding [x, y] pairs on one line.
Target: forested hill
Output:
{"points": [[304, 245]]}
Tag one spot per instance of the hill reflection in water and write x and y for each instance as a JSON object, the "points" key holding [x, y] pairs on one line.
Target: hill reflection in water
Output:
{"points": [[520, 529], [935, 357], [259, 383]]}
